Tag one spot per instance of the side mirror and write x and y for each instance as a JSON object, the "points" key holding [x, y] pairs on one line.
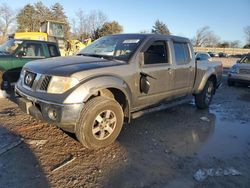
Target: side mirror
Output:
{"points": [[144, 84], [21, 54]]}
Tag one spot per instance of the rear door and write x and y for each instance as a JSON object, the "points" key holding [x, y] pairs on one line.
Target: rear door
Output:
{"points": [[156, 73], [184, 71]]}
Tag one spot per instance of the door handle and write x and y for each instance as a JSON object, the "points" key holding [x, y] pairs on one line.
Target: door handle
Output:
{"points": [[169, 70]]}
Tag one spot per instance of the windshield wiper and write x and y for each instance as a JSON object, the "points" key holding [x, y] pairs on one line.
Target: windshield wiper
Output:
{"points": [[98, 56], [107, 57]]}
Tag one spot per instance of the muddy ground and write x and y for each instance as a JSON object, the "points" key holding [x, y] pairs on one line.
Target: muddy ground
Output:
{"points": [[162, 149]]}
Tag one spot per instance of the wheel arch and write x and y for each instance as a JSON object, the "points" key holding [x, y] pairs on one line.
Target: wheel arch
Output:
{"points": [[108, 86], [209, 75]]}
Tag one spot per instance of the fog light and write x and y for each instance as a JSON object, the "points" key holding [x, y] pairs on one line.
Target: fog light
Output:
{"points": [[52, 113]]}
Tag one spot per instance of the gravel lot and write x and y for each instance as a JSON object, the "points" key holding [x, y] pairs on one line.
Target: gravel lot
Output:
{"points": [[162, 149]]}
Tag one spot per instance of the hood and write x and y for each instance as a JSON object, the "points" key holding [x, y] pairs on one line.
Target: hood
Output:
{"points": [[243, 65], [66, 66], [4, 54]]}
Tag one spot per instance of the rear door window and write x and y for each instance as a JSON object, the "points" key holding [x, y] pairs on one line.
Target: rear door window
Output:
{"points": [[182, 53], [53, 50]]}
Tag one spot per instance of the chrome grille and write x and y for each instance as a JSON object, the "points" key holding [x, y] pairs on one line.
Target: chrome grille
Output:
{"points": [[45, 83]]}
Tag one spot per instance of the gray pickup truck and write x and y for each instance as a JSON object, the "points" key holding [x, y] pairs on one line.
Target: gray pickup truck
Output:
{"points": [[113, 80]]}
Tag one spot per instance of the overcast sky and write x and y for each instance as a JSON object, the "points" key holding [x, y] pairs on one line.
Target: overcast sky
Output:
{"points": [[226, 18]]}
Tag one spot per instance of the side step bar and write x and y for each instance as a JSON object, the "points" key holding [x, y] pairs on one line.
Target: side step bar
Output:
{"points": [[162, 106]]}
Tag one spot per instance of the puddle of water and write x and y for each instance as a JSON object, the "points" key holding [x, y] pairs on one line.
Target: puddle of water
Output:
{"points": [[245, 97], [229, 139], [8, 141]]}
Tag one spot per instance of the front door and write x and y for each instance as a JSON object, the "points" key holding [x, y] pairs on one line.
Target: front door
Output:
{"points": [[156, 74]]}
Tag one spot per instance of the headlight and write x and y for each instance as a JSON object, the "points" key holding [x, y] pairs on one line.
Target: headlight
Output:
{"points": [[59, 84]]}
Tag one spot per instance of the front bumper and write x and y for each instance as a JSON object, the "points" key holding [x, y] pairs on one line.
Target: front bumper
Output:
{"points": [[64, 116]]}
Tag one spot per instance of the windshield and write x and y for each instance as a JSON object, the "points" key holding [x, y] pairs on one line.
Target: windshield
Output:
{"points": [[56, 30], [10, 46], [245, 59], [119, 47]]}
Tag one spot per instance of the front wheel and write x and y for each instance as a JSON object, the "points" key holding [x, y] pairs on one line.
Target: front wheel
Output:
{"points": [[5, 82], [100, 122], [203, 99]]}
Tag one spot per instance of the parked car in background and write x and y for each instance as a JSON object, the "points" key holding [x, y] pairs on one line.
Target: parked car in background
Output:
{"points": [[240, 72], [212, 54], [222, 54], [203, 56], [17, 52]]}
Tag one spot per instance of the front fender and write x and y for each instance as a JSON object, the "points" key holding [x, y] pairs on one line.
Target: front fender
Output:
{"points": [[90, 87]]}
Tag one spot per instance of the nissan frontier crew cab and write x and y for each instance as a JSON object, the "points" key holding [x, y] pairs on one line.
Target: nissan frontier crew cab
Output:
{"points": [[107, 83]]}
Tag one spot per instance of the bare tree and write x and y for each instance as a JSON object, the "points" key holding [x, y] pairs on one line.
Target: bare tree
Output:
{"points": [[247, 34], [234, 44], [85, 25], [96, 20], [145, 31], [7, 20], [205, 37]]}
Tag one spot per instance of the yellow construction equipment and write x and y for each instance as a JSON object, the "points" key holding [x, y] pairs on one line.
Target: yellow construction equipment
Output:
{"points": [[54, 31]]}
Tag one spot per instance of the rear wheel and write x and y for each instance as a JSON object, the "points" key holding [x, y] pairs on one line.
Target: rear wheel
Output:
{"points": [[100, 122], [203, 99]]}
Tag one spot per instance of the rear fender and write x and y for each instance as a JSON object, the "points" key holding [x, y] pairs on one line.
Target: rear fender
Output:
{"points": [[210, 72]]}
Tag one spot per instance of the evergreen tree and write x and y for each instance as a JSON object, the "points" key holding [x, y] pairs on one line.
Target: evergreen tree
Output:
{"points": [[58, 14], [108, 28], [160, 28], [27, 19], [43, 13]]}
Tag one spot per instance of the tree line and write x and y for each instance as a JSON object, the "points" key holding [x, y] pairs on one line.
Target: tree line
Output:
{"points": [[92, 25], [206, 38], [28, 19]]}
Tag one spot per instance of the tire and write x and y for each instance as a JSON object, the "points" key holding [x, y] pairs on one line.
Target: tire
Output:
{"points": [[7, 84], [230, 83], [203, 99], [1, 80], [95, 129]]}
